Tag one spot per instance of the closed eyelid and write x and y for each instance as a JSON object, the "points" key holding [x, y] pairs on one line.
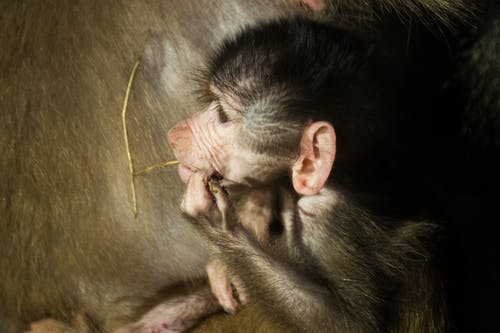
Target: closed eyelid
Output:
{"points": [[226, 105], [223, 117]]}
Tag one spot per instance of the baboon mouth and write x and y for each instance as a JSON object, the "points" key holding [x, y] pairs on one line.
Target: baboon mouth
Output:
{"points": [[224, 182], [215, 176], [185, 172], [219, 179]]}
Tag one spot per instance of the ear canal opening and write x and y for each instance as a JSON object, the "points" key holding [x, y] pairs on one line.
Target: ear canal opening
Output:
{"points": [[308, 166]]}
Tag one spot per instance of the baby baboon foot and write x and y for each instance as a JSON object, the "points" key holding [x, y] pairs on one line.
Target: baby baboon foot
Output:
{"points": [[220, 284]]}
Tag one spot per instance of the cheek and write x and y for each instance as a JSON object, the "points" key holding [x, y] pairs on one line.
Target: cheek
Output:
{"points": [[246, 167]]}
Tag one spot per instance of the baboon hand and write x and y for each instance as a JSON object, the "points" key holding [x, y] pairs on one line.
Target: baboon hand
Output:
{"points": [[208, 203]]}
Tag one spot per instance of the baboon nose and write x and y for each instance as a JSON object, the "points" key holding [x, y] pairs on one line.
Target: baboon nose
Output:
{"points": [[175, 134]]}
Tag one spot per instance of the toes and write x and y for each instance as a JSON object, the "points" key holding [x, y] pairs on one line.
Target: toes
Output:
{"points": [[221, 286]]}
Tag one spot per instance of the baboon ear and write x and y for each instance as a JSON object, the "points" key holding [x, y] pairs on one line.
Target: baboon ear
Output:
{"points": [[317, 153]]}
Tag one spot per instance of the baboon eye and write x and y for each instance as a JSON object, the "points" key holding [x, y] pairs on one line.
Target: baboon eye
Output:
{"points": [[223, 118]]}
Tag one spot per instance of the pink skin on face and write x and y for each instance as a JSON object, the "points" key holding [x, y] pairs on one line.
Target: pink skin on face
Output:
{"points": [[200, 144], [205, 143], [186, 149]]}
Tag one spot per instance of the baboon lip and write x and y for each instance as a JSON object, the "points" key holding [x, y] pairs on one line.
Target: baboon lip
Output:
{"points": [[184, 173]]}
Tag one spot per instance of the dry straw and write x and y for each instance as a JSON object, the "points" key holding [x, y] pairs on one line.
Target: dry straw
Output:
{"points": [[133, 174]]}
